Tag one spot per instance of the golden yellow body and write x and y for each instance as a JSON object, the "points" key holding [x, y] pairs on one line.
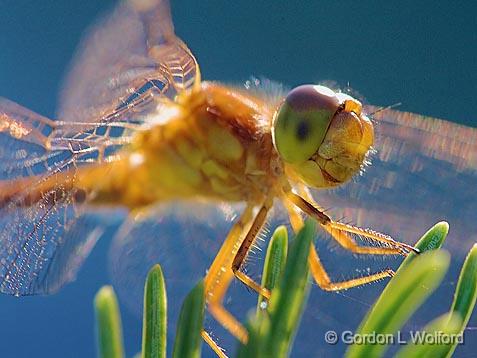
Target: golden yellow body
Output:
{"points": [[212, 147], [201, 141], [214, 144]]}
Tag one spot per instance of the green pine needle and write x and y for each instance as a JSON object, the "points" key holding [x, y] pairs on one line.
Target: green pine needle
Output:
{"points": [[271, 333], [109, 331], [188, 336], [275, 260], [154, 334], [466, 292]]}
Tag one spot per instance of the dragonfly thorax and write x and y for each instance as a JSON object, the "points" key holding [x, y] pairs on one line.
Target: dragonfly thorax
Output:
{"points": [[212, 144]]}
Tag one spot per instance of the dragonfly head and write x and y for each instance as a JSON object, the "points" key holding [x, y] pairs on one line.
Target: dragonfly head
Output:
{"points": [[322, 136]]}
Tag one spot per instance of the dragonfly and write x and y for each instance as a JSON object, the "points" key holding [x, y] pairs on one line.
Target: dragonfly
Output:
{"points": [[138, 131]]}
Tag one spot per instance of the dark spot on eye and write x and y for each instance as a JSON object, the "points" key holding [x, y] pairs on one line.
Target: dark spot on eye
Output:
{"points": [[302, 130], [79, 196]]}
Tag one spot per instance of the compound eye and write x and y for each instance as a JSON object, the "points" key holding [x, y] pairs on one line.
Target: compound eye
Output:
{"points": [[302, 120]]}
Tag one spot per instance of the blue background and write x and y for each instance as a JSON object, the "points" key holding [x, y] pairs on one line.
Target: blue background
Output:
{"points": [[422, 54]]}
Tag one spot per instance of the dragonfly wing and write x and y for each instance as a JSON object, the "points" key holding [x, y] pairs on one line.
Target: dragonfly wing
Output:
{"points": [[182, 237], [129, 56], [43, 247], [23, 136], [125, 61], [44, 235], [424, 170], [42, 244]]}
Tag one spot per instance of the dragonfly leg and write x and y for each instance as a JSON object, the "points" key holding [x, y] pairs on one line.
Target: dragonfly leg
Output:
{"points": [[316, 267], [402, 247], [340, 231], [245, 246], [220, 275], [226, 266], [212, 344], [323, 280]]}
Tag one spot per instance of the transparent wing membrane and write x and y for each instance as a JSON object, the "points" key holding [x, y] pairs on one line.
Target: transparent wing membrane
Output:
{"points": [[132, 55], [43, 237], [183, 238], [33, 221], [126, 66]]}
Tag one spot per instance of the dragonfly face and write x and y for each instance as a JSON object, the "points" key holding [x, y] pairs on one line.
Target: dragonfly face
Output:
{"points": [[321, 135]]}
